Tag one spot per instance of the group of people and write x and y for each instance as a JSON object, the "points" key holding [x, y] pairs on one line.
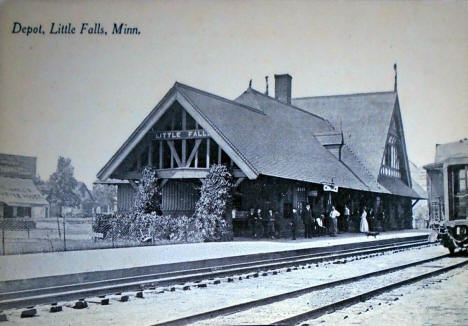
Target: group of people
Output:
{"points": [[315, 226], [268, 226], [332, 225], [264, 225]]}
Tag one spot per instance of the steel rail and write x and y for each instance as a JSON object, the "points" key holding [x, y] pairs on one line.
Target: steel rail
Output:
{"points": [[272, 299], [73, 291], [337, 305]]}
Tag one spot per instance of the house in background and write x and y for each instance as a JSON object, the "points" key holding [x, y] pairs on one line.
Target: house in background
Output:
{"points": [[19, 196], [105, 195], [86, 207]]}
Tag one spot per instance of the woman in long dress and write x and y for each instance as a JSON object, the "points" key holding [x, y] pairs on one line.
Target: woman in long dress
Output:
{"points": [[364, 226]]}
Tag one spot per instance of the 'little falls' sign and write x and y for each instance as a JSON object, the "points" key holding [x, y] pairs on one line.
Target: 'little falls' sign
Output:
{"points": [[180, 134]]}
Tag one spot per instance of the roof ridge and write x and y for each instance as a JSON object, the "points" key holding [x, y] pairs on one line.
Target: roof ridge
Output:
{"points": [[289, 105], [344, 95], [178, 84]]}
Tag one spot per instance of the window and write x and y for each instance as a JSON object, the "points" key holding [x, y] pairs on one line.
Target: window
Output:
{"points": [[391, 161], [23, 212], [458, 191], [462, 179]]}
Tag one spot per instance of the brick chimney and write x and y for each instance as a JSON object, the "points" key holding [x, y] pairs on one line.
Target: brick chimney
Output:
{"points": [[283, 88]]}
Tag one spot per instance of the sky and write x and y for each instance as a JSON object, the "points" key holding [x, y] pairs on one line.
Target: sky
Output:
{"points": [[81, 95]]}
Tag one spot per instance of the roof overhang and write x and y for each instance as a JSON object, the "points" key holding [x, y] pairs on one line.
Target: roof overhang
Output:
{"points": [[173, 95], [399, 188]]}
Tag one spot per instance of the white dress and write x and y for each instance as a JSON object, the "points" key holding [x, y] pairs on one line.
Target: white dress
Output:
{"points": [[364, 226]]}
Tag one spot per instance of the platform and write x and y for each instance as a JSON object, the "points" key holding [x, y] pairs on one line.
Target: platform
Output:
{"points": [[40, 265]]}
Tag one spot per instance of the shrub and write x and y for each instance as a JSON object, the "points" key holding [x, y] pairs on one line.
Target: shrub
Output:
{"points": [[148, 197], [147, 227], [210, 209]]}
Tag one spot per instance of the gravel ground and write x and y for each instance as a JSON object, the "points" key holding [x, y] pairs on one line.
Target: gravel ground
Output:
{"points": [[167, 305], [441, 300], [290, 307]]}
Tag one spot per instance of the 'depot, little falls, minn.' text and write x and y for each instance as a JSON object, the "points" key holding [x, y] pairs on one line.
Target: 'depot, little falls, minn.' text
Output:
{"points": [[68, 28]]}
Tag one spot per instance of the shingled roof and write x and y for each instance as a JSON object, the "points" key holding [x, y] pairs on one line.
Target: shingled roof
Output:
{"points": [[277, 139], [363, 118]]}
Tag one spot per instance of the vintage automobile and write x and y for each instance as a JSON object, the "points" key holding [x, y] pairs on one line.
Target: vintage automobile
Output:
{"points": [[456, 235], [448, 193]]}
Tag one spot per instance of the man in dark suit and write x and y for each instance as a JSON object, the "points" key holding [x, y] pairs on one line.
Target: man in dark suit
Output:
{"points": [[252, 221], [294, 218], [262, 224], [307, 219]]}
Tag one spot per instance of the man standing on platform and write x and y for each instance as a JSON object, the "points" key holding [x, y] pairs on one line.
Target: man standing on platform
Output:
{"points": [[271, 223], [346, 219], [307, 219], [293, 223], [252, 221], [261, 225], [277, 224], [333, 221]]}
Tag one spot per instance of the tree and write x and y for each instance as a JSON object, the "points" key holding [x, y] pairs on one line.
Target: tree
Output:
{"points": [[105, 195], [61, 185], [148, 197], [210, 209]]}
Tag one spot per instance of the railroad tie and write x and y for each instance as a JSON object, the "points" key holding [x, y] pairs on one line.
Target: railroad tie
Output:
{"points": [[80, 304], [55, 308], [28, 313]]}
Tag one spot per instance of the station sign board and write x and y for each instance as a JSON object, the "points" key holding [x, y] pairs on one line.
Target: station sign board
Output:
{"points": [[180, 134], [332, 188]]}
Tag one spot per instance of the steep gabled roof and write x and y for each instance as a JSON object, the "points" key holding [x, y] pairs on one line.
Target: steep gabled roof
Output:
{"points": [[275, 138], [82, 191], [173, 95], [363, 118]]}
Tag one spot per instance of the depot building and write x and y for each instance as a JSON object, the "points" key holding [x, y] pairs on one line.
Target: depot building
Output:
{"points": [[283, 152]]}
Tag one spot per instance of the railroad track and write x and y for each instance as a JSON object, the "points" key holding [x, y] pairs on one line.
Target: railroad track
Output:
{"points": [[30, 297], [267, 303]]}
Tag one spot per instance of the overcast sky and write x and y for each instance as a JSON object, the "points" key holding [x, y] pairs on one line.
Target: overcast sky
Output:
{"points": [[81, 96]]}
